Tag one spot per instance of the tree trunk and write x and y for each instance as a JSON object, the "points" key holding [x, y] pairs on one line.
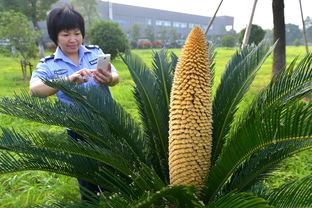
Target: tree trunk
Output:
{"points": [[40, 39], [279, 54], [24, 70]]}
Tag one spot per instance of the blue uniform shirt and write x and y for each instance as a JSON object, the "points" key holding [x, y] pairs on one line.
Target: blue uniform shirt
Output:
{"points": [[58, 66]]}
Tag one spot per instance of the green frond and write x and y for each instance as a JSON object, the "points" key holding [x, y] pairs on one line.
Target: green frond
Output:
{"points": [[263, 162], [174, 60], [98, 118], [290, 85], [146, 179], [54, 113], [287, 86], [292, 195], [239, 200], [57, 162], [25, 143], [181, 196], [163, 70], [151, 99], [80, 160], [273, 126], [235, 81], [211, 59], [143, 177]]}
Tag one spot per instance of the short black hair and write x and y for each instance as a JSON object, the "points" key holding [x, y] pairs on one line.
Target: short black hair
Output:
{"points": [[64, 18]]}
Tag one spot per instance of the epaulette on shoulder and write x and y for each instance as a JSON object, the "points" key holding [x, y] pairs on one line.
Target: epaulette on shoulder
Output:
{"points": [[47, 58], [92, 46]]}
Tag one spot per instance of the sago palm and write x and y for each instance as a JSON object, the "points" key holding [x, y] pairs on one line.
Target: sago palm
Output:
{"points": [[210, 160]]}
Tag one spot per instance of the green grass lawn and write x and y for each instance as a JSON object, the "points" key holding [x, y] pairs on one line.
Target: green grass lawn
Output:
{"points": [[34, 187]]}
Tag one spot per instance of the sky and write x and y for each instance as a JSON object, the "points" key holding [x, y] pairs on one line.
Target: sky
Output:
{"points": [[239, 9]]}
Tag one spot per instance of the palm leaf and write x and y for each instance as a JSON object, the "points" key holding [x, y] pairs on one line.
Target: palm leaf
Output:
{"points": [[163, 71], [29, 154], [24, 143], [293, 194], [57, 162], [280, 124], [211, 59], [182, 196], [90, 100], [153, 108], [287, 86], [239, 200], [263, 162], [99, 104], [53, 113], [174, 60], [34, 153], [143, 177], [105, 126], [235, 81]]}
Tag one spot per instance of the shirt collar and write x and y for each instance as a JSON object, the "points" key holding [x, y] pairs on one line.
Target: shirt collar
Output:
{"points": [[60, 55]]}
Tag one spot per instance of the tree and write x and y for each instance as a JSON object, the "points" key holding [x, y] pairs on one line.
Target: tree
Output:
{"points": [[297, 42], [256, 35], [150, 33], [88, 9], [135, 34], [309, 33], [109, 37], [279, 54], [173, 36], [308, 22], [15, 27], [292, 33], [228, 41], [34, 10], [164, 36], [130, 158], [269, 35]]}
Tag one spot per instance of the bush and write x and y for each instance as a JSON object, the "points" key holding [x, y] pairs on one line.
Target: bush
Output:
{"points": [[228, 41], [109, 37], [296, 42]]}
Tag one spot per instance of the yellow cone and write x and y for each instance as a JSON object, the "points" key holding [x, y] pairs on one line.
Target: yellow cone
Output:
{"points": [[190, 124]]}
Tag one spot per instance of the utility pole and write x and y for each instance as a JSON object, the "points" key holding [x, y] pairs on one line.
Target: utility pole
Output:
{"points": [[212, 19], [304, 29], [248, 28]]}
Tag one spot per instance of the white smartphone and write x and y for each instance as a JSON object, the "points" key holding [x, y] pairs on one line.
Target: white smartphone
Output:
{"points": [[103, 61]]}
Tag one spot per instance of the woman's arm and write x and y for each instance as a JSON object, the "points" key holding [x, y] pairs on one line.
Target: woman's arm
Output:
{"points": [[39, 89]]}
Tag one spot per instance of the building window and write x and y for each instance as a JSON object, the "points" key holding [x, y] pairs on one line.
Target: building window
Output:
{"points": [[139, 20], [163, 23], [180, 24], [148, 21], [120, 19]]}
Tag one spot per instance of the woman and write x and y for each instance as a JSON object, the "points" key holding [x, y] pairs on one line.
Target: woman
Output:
{"points": [[74, 61]]}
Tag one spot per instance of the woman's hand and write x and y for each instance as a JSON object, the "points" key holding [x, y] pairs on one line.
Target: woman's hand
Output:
{"points": [[102, 76], [81, 76]]}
